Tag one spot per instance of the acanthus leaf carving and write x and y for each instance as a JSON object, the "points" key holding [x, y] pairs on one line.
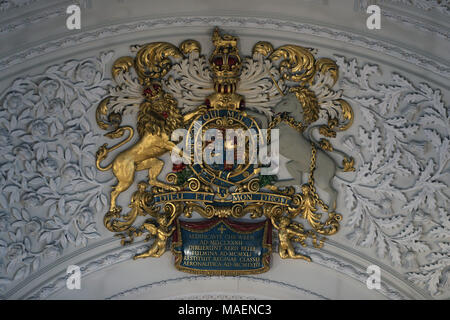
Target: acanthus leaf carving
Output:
{"points": [[398, 198], [49, 192]]}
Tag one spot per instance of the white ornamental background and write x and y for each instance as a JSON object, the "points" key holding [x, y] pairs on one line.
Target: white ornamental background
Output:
{"points": [[395, 203], [47, 160]]}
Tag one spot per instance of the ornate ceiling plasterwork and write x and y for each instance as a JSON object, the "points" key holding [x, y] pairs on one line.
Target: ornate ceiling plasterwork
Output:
{"points": [[6, 5], [414, 22], [47, 147], [251, 279], [95, 264], [423, 23], [363, 41], [399, 200], [425, 5], [39, 17], [98, 263], [395, 205], [338, 263], [409, 227]]}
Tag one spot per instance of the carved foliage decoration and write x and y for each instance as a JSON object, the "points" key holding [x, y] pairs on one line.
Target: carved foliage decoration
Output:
{"points": [[190, 82], [49, 188], [43, 158], [398, 199]]}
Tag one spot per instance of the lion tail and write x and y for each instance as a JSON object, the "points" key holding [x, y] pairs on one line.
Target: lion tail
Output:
{"points": [[103, 151]]}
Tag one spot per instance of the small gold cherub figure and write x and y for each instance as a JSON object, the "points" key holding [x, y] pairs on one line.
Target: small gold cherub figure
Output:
{"points": [[162, 232], [289, 231]]}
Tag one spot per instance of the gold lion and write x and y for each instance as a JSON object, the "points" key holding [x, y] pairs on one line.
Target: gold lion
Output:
{"points": [[158, 117]]}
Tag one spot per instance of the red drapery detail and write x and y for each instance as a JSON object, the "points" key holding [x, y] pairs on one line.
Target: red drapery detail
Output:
{"points": [[236, 225]]}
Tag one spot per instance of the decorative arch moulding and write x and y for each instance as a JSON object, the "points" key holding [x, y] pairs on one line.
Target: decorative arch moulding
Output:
{"points": [[323, 32], [389, 135]]}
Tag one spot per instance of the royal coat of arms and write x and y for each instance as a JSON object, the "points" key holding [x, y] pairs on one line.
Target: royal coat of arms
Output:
{"points": [[225, 120]]}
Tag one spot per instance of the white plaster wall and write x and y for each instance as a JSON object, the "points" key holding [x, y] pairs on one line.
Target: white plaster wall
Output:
{"points": [[412, 42]]}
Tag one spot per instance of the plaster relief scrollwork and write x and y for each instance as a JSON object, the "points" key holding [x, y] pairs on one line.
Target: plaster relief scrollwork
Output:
{"points": [[398, 199], [181, 280], [412, 21], [93, 265], [425, 5], [432, 65], [32, 20], [49, 190], [339, 264], [6, 5]]}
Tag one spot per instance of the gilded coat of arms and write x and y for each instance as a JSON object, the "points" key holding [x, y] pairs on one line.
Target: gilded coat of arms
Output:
{"points": [[225, 120]]}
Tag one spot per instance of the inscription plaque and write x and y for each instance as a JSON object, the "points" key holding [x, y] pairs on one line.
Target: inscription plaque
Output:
{"points": [[222, 247]]}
